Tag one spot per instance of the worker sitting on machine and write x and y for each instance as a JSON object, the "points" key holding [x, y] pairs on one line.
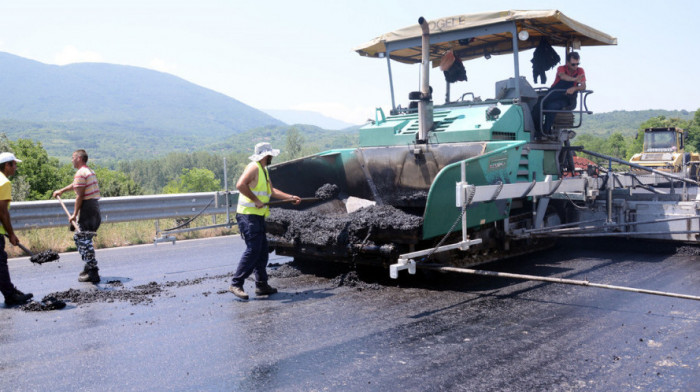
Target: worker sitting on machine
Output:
{"points": [[570, 79]]}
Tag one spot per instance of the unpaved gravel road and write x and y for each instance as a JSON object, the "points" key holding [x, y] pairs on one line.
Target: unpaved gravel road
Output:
{"points": [[325, 331]]}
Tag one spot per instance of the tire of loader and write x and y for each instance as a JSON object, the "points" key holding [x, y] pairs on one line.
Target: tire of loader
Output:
{"points": [[694, 171]]}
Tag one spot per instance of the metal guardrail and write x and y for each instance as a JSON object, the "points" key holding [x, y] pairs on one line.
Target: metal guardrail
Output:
{"points": [[48, 213]]}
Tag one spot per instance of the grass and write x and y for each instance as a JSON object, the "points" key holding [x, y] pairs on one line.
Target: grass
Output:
{"points": [[111, 235]]}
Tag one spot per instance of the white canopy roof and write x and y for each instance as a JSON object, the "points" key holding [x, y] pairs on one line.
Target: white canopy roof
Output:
{"points": [[484, 36]]}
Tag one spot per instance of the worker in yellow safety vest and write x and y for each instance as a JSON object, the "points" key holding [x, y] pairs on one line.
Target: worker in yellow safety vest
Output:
{"points": [[255, 191]]}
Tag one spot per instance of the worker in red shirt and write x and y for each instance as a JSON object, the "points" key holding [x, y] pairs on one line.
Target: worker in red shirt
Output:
{"points": [[570, 79]]}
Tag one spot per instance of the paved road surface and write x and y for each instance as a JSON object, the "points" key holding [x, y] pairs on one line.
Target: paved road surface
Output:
{"points": [[457, 333]]}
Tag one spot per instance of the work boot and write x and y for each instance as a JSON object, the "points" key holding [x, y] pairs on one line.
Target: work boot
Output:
{"points": [[264, 289], [89, 274], [17, 298], [238, 292]]}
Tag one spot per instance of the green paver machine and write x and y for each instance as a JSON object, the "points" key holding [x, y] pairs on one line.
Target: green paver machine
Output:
{"points": [[474, 162]]}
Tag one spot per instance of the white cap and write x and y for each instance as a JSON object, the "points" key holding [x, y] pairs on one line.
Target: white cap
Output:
{"points": [[8, 157], [263, 149]]}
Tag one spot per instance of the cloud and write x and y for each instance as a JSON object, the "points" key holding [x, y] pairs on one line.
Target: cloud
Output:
{"points": [[353, 114], [70, 54], [162, 66]]}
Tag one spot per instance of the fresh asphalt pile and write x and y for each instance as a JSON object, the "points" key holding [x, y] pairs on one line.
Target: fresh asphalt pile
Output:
{"points": [[44, 257], [284, 271], [327, 192], [688, 250], [49, 302], [352, 279], [308, 227], [116, 291], [141, 294]]}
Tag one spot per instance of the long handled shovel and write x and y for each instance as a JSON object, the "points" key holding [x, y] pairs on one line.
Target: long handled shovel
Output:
{"points": [[39, 258], [73, 224], [283, 201]]}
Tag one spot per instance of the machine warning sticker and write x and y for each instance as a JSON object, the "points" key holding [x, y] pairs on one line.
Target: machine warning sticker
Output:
{"points": [[497, 163]]}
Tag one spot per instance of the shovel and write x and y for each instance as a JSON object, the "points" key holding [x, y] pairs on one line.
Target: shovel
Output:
{"points": [[73, 224], [40, 258], [283, 201], [325, 192], [24, 248], [332, 206]]}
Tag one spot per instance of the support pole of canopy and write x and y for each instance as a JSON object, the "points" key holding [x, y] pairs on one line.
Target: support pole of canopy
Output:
{"points": [[391, 80], [516, 63]]}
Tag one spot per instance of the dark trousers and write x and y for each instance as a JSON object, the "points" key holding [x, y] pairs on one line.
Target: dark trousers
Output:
{"points": [[6, 286], [89, 221], [559, 100], [254, 259]]}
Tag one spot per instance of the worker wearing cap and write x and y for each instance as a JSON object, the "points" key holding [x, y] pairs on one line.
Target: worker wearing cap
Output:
{"points": [[8, 167], [86, 214], [255, 190]]}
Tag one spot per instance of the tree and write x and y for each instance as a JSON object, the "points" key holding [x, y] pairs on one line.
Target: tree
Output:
{"points": [[40, 170], [293, 145], [115, 183], [615, 146], [37, 176], [193, 180], [693, 141]]}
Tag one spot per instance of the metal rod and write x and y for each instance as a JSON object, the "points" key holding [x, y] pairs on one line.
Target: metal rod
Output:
{"points": [[563, 226], [425, 105], [567, 227], [685, 174], [198, 228], [508, 275], [617, 234], [516, 64], [634, 165], [391, 80]]}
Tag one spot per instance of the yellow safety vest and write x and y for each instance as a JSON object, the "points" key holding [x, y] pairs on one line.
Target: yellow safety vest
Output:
{"points": [[263, 190]]}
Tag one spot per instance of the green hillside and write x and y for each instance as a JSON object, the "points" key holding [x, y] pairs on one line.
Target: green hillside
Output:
{"points": [[115, 110], [625, 122]]}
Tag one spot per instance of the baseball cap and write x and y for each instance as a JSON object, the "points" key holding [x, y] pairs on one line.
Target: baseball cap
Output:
{"points": [[8, 157]]}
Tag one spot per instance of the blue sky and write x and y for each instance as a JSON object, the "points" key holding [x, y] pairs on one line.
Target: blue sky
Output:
{"points": [[298, 54]]}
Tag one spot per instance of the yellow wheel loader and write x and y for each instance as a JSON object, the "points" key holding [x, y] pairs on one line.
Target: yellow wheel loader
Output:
{"points": [[664, 150]]}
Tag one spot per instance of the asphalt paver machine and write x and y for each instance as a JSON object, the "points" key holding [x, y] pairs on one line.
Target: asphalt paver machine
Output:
{"points": [[475, 182]]}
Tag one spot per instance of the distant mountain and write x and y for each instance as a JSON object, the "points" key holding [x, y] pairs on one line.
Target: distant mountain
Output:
{"points": [[292, 117], [107, 100]]}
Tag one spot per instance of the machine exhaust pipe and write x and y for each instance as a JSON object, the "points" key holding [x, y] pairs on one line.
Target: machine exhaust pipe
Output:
{"points": [[425, 105]]}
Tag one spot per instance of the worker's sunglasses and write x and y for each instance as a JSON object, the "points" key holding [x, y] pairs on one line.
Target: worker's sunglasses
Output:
{"points": [[575, 64]]}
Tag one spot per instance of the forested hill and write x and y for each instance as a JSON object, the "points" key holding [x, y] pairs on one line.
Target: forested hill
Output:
{"points": [[625, 122], [49, 103]]}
